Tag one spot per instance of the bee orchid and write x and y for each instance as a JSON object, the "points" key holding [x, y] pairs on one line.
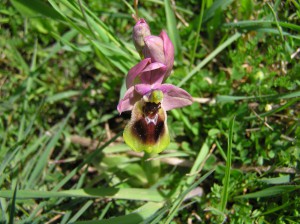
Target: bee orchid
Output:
{"points": [[147, 129], [146, 96]]}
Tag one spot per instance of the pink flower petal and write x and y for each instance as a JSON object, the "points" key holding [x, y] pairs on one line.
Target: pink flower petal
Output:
{"points": [[174, 97], [135, 71], [129, 99], [154, 48], [154, 66], [142, 89], [153, 73], [168, 51]]}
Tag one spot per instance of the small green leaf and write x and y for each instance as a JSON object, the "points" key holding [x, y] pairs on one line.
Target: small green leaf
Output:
{"points": [[33, 8], [138, 216], [269, 192], [276, 180], [116, 193]]}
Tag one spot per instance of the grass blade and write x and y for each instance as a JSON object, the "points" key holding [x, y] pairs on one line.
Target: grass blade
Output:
{"points": [[179, 200], [276, 180], [86, 161], [13, 206], [198, 32], [226, 98], [256, 24], [203, 152], [11, 155], [210, 57], [61, 96], [276, 21], [116, 193], [275, 209], [288, 104], [270, 192], [138, 216], [225, 192], [215, 6], [33, 7], [105, 210], [81, 211], [172, 29], [42, 162]]}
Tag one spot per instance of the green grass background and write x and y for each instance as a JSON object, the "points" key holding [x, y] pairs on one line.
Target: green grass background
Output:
{"points": [[234, 154]]}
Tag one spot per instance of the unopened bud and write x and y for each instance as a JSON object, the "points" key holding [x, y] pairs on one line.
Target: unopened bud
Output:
{"points": [[140, 31]]}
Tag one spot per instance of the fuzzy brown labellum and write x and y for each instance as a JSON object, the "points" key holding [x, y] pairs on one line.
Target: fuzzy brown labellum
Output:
{"points": [[147, 129], [151, 125]]}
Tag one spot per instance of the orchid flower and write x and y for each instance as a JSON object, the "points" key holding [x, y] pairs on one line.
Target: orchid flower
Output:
{"points": [[147, 129], [146, 96]]}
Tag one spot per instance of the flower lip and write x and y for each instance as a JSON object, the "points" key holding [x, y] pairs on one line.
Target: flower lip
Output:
{"points": [[147, 129]]}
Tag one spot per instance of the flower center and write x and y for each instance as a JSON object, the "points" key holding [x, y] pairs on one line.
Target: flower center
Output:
{"points": [[150, 112], [151, 120]]}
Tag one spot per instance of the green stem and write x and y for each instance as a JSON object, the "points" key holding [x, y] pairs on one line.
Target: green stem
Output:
{"points": [[198, 33], [151, 168]]}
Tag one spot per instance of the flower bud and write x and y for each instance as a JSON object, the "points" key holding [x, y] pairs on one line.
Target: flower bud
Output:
{"points": [[160, 49], [140, 31], [155, 49]]}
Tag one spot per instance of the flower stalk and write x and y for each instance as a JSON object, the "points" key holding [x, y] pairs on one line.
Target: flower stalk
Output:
{"points": [[151, 167]]}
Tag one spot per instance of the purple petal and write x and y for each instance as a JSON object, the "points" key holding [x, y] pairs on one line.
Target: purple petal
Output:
{"points": [[135, 71], [174, 97], [168, 51], [153, 73], [142, 89], [154, 66], [129, 99], [154, 48]]}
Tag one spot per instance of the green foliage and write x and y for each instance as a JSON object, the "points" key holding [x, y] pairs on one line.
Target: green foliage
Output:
{"points": [[62, 67]]}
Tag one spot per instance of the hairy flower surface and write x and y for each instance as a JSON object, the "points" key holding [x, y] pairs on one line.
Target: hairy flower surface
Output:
{"points": [[146, 96], [147, 130]]}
